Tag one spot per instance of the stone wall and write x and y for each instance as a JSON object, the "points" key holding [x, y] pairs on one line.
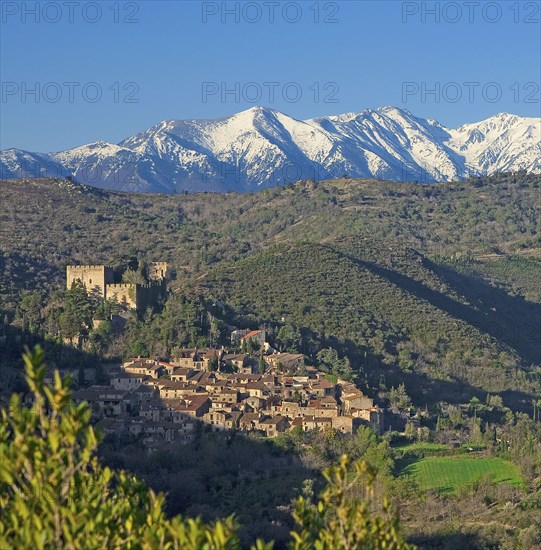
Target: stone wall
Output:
{"points": [[157, 271], [94, 277], [149, 295], [125, 294], [99, 280]]}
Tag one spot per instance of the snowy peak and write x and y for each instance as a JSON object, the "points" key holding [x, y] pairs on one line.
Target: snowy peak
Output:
{"points": [[262, 147], [503, 142], [16, 163]]}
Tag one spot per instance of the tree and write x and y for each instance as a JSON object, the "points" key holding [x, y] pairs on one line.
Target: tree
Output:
{"points": [[54, 493], [77, 311], [136, 275], [288, 338], [405, 361], [330, 362], [101, 336], [340, 520], [214, 363], [399, 398], [29, 311], [261, 365]]}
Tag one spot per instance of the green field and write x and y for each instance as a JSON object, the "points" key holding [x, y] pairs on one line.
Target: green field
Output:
{"points": [[446, 474]]}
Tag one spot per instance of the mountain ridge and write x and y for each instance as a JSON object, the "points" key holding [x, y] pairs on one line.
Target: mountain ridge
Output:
{"points": [[261, 148]]}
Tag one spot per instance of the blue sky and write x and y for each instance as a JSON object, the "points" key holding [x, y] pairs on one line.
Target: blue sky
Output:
{"points": [[106, 70]]}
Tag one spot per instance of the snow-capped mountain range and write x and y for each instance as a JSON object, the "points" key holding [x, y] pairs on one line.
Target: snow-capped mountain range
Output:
{"points": [[262, 147]]}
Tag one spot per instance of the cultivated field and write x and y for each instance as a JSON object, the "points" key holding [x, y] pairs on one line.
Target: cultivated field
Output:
{"points": [[446, 474]]}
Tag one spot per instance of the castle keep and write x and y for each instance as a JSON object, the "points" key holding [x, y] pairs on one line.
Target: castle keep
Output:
{"points": [[99, 281], [94, 277]]}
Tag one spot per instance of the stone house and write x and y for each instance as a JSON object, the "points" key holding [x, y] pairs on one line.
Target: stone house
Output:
{"points": [[322, 388], [274, 425], [151, 411], [346, 424], [373, 417], [291, 409], [169, 368], [167, 431], [249, 422], [196, 405], [253, 403], [147, 367], [181, 374], [114, 426], [104, 400], [238, 361], [288, 362], [316, 423], [145, 393], [326, 406], [127, 381], [217, 419], [355, 400], [229, 395], [188, 358], [255, 389]]}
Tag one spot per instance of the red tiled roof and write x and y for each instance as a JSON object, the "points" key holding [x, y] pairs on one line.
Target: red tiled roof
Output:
{"points": [[251, 334]]}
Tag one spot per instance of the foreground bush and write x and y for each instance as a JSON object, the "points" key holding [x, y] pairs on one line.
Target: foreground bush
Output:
{"points": [[54, 493]]}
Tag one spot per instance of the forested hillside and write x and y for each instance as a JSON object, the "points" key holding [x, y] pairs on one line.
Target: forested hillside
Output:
{"points": [[434, 285], [396, 314], [426, 296]]}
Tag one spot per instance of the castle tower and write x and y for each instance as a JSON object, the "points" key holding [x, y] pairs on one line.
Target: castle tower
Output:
{"points": [[93, 277], [157, 271]]}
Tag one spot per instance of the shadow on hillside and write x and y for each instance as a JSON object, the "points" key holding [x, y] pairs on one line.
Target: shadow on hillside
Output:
{"points": [[219, 475], [19, 271], [13, 341], [508, 319], [450, 541], [511, 319]]}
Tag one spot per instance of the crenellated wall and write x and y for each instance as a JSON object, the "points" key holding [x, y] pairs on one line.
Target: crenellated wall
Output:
{"points": [[99, 279], [149, 295], [94, 277], [125, 293]]}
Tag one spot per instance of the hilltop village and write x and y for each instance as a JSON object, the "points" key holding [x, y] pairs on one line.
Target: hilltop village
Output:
{"points": [[265, 392], [166, 401]]}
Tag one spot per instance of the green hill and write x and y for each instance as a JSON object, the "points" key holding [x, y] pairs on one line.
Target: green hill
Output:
{"points": [[375, 300], [433, 285]]}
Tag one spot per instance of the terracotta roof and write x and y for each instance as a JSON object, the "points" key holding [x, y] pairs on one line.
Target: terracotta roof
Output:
{"points": [[182, 371], [351, 397], [192, 403], [128, 375], [251, 334], [273, 419], [328, 399], [325, 384]]}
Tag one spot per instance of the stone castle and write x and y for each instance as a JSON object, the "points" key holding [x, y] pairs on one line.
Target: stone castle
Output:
{"points": [[99, 280]]}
